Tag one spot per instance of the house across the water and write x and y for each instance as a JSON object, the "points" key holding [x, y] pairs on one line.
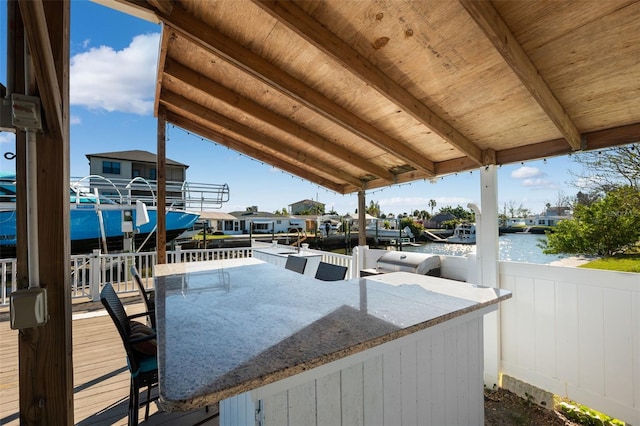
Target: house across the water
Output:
{"points": [[550, 217], [252, 221]]}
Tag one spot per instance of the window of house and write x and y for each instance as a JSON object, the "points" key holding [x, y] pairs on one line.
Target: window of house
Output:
{"points": [[111, 167], [135, 173], [152, 174]]}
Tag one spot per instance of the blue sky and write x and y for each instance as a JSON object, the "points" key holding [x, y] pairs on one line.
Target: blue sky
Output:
{"points": [[113, 71]]}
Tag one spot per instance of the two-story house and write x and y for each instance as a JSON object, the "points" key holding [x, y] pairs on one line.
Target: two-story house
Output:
{"points": [[121, 167]]}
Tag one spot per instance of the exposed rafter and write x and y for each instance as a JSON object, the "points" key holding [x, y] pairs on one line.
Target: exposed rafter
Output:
{"points": [[289, 14], [199, 82], [506, 44], [254, 153], [244, 59], [248, 133]]}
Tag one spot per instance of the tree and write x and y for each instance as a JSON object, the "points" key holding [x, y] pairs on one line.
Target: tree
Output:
{"points": [[432, 204], [587, 198], [416, 227], [608, 169], [373, 209], [604, 228], [459, 212], [511, 208]]}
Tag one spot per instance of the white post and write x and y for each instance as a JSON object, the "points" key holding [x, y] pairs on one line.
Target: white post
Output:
{"points": [[94, 275], [488, 255]]}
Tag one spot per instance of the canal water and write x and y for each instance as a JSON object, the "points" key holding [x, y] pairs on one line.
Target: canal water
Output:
{"points": [[513, 247]]}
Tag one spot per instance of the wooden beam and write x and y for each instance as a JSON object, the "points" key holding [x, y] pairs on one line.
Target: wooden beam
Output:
{"points": [[212, 88], [177, 102], [601, 139], [45, 361], [16, 83], [162, 58], [161, 170], [138, 8], [294, 18], [255, 153], [37, 33], [608, 138], [497, 31], [216, 43], [362, 221]]}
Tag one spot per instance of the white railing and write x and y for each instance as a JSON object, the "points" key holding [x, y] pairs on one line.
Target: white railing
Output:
{"points": [[89, 272], [8, 282], [574, 332], [342, 260], [198, 255]]}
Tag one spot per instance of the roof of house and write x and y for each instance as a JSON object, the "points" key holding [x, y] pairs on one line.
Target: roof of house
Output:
{"points": [[206, 215], [443, 217], [243, 214], [357, 95], [307, 201], [134, 155]]}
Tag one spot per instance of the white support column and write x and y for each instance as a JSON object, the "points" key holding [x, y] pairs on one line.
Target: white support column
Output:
{"points": [[488, 255]]}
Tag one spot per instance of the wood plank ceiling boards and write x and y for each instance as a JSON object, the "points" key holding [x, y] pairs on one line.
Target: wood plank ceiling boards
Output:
{"points": [[366, 94]]}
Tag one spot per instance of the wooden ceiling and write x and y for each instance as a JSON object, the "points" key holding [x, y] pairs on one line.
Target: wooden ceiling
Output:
{"points": [[354, 95]]}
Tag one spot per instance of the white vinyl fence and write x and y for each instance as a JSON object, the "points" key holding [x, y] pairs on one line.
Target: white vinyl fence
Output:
{"points": [[574, 332]]}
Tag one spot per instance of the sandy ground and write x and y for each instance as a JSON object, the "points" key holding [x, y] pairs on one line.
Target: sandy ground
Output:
{"points": [[573, 261]]}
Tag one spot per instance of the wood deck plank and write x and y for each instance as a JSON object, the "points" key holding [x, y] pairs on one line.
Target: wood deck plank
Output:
{"points": [[100, 375]]}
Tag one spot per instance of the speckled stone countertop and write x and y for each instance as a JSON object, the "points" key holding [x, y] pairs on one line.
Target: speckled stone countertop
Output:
{"points": [[229, 326], [284, 252]]}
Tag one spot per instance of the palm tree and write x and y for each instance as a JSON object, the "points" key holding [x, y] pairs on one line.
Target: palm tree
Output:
{"points": [[432, 204]]}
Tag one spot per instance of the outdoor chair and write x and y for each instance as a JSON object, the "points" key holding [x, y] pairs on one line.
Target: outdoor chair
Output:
{"points": [[149, 296], [330, 272], [296, 263], [140, 345]]}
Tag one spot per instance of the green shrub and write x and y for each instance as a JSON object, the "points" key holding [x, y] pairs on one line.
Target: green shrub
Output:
{"points": [[586, 416]]}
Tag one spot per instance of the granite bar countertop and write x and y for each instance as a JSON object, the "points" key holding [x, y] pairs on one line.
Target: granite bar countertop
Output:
{"points": [[229, 326]]}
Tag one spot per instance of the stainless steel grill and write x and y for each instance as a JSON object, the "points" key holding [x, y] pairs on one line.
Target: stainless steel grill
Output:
{"points": [[398, 261]]}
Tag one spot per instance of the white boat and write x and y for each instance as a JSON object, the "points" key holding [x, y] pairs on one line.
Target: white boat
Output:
{"points": [[464, 233], [375, 228]]}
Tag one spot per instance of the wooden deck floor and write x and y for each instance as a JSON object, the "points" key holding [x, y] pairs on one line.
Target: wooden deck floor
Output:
{"points": [[101, 378]]}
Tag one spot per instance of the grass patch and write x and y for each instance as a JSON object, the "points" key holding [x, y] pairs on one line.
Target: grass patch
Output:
{"points": [[622, 262], [200, 237]]}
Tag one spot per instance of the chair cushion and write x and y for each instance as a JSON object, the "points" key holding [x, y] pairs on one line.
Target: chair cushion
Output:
{"points": [[138, 327], [141, 331], [147, 364]]}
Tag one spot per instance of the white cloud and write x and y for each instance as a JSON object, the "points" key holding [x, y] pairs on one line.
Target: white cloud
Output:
{"points": [[7, 137], [588, 183], [539, 183], [525, 172], [109, 80], [74, 119]]}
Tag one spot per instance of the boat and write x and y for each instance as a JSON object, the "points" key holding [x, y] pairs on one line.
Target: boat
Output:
{"points": [[378, 229], [464, 233], [404, 234], [109, 221]]}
